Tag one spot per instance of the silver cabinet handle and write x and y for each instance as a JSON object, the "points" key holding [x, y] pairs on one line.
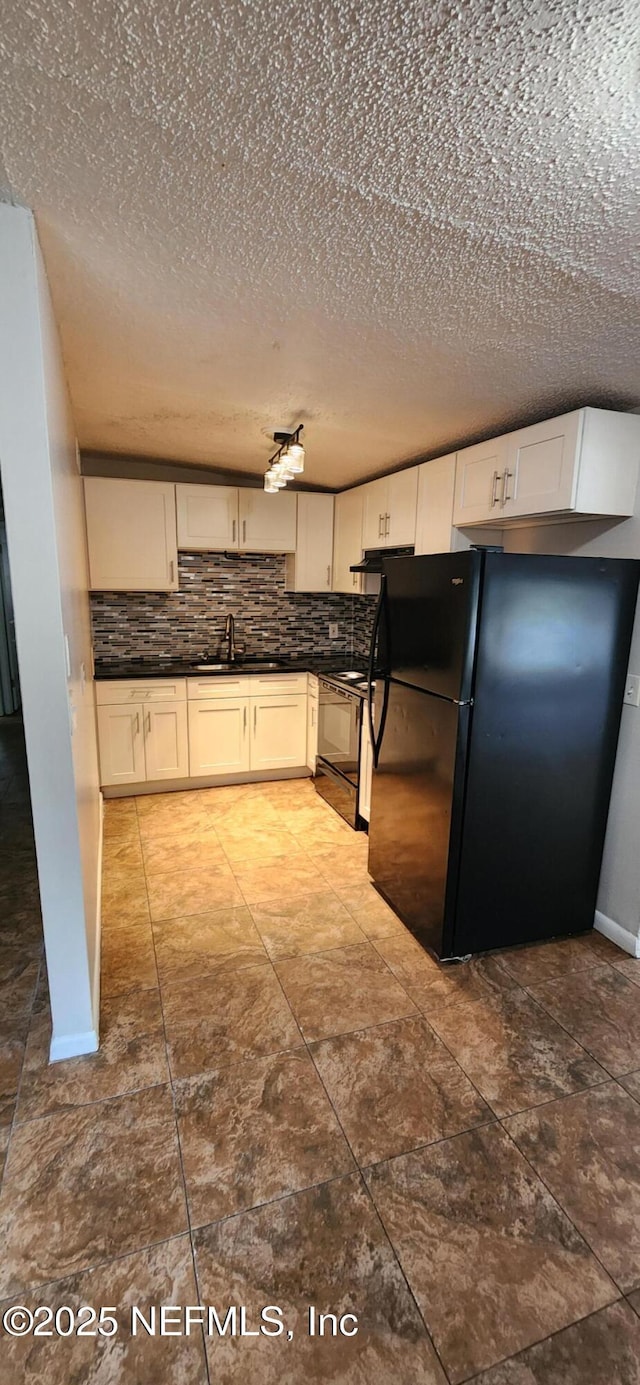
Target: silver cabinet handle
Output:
{"points": [[171, 571], [328, 574], [149, 724], [494, 488], [244, 531], [387, 525], [255, 718], [244, 720], [507, 476], [380, 525], [233, 531], [137, 730]]}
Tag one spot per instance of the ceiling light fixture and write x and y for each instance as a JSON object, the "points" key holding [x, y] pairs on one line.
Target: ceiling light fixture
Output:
{"points": [[287, 461]]}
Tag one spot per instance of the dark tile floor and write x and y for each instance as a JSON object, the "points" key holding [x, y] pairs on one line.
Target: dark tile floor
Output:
{"points": [[294, 1105], [21, 943]]}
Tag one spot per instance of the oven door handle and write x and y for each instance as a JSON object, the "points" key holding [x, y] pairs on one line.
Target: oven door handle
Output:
{"points": [[335, 774]]}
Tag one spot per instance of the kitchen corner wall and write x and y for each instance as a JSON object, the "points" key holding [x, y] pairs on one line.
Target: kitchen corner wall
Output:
{"points": [[269, 620]]}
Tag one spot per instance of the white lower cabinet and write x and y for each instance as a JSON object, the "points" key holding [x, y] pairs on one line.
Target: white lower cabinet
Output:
{"points": [[146, 736], [121, 737], [166, 740], [219, 736], [279, 731], [140, 741], [312, 724]]}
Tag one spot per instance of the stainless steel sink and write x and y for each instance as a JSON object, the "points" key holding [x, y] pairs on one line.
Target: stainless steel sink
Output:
{"points": [[259, 666]]}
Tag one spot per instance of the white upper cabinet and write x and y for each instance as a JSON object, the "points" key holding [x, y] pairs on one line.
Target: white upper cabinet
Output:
{"points": [[434, 518], [347, 539], [267, 522], [578, 465], [131, 535], [390, 510], [309, 568], [374, 518], [402, 499], [207, 517], [541, 470], [479, 471]]}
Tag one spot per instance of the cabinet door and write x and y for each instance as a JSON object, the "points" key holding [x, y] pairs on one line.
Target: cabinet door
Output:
{"points": [[309, 569], [207, 517], [312, 733], [347, 539], [400, 517], [166, 743], [219, 736], [479, 472], [541, 467], [375, 512], [278, 732], [121, 744], [267, 522], [131, 535], [436, 487]]}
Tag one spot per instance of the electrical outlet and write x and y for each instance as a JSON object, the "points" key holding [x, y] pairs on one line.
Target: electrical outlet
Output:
{"points": [[632, 690], [334, 630]]}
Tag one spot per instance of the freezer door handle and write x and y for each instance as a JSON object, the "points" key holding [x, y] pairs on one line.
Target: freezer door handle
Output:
{"points": [[376, 744]]}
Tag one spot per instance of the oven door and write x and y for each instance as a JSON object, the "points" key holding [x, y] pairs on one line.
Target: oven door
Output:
{"points": [[338, 792], [339, 714], [338, 762]]}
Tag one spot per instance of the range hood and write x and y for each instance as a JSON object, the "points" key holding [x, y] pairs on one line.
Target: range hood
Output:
{"points": [[372, 561]]}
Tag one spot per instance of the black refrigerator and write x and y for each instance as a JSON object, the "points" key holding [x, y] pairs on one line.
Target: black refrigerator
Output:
{"points": [[499, 688]]}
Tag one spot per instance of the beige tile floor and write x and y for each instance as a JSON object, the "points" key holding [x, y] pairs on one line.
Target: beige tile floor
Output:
{"points": [[294, 1105]]}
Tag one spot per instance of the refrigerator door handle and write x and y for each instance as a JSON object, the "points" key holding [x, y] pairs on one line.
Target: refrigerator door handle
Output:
{"points": [[375, 745]]}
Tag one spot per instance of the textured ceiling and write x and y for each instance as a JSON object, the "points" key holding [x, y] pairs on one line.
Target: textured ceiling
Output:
{"points": [[407, 224]]}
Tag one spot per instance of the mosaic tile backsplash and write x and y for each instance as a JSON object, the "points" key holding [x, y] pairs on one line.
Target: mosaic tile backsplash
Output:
{"points": [[190, 622]]}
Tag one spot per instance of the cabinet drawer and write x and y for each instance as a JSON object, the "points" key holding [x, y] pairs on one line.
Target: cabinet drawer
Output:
{"points": [[143, 690], [228, 685], [276, 683]]}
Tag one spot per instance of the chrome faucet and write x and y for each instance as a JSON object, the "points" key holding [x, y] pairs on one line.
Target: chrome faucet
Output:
{"points": [[230, 637]]}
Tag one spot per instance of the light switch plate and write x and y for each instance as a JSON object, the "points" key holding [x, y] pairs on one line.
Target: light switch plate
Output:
{"points": [[632, 690], [333, 630]]}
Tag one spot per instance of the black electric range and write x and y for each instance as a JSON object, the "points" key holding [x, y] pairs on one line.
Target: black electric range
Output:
{"points": [[341, 707]]}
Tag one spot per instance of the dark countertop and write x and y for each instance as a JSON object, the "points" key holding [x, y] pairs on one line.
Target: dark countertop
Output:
{"points": [[175, 668]]}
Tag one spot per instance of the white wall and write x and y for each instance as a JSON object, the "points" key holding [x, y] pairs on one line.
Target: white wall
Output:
{"points": [[619, 893], [47, 553]]}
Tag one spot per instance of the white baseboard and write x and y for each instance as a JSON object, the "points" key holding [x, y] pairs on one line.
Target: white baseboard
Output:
{"points": [[629, 942], [95, 980], [73, 1045], [205, 781]]}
